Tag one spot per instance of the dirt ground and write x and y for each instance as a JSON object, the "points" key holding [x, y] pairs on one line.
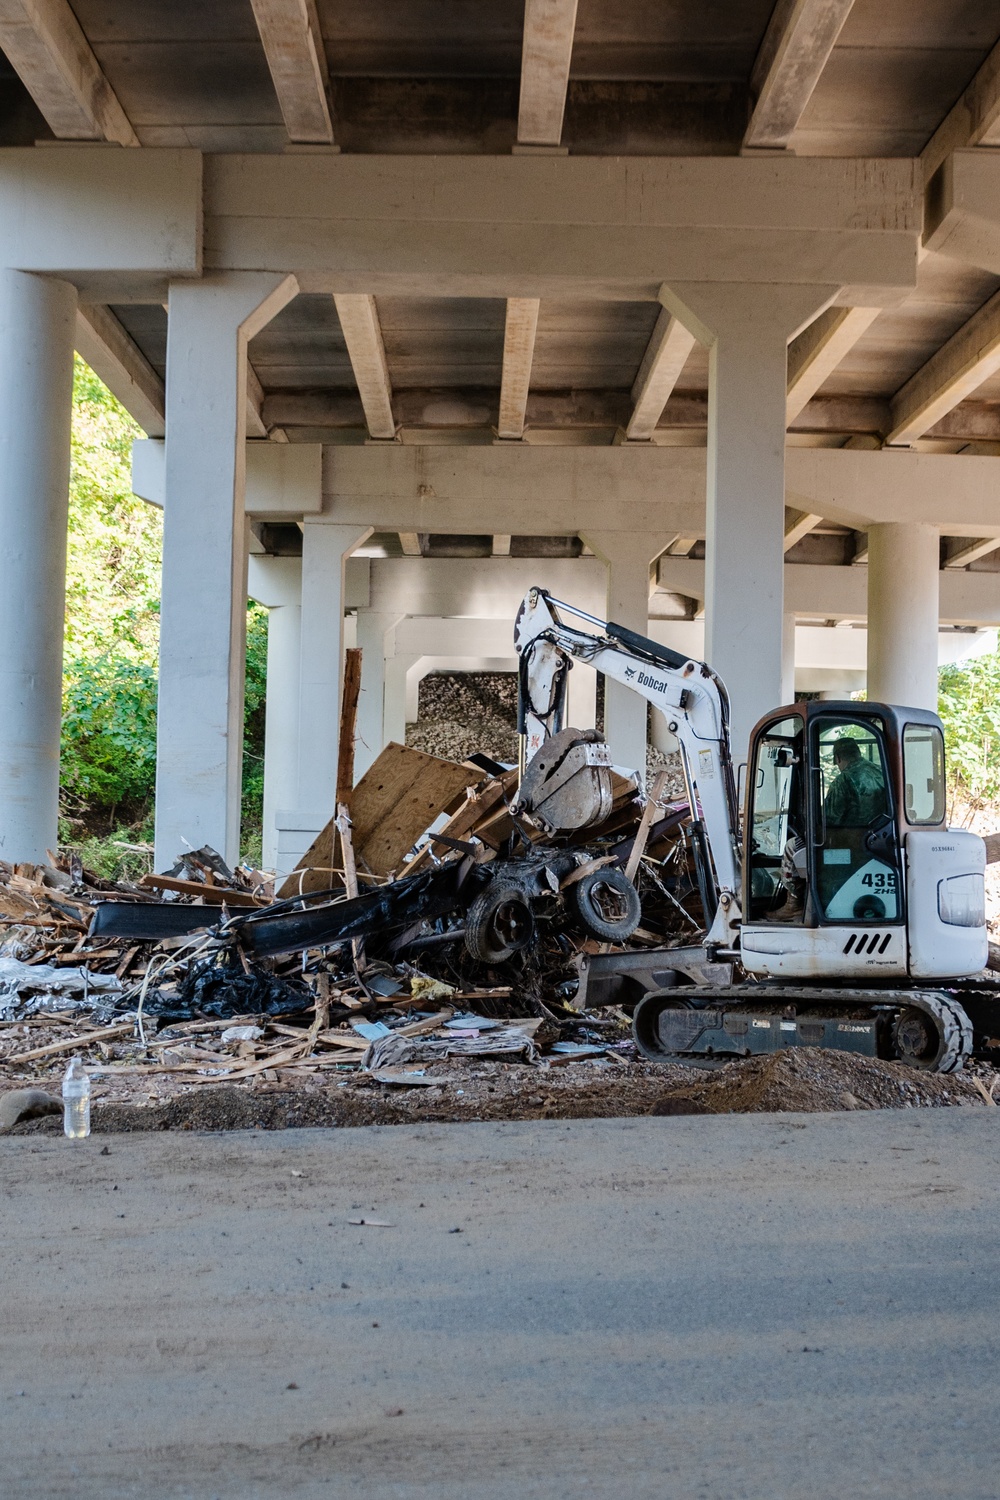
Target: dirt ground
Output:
{"points": [[805, 1080]]}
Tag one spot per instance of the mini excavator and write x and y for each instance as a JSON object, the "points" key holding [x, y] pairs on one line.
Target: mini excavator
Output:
{"points": [[840, 909]]}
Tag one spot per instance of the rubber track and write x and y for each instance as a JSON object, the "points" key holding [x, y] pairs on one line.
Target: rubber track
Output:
{"points": [[948, 1014]]}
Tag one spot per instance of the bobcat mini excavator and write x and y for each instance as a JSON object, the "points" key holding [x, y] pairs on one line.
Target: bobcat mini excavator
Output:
{"points": [[841, 910]]}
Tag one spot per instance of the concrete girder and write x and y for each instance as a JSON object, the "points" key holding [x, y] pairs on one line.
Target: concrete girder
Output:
{"points": [[962, 217], [552, 226], [547, 47], [958, 368], [819, 591], [47, 48], [111, 353], [665, 357], [819, 349], [520, 325], [296, 57], [363, 335], [973, 121], [798, 523], [799, 38]]}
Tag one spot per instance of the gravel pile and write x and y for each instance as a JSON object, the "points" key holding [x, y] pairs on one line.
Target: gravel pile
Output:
{"points": [[462, 712]]}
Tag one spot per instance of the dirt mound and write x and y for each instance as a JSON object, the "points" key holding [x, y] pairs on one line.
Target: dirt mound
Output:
{"points": [[812, 1080]]}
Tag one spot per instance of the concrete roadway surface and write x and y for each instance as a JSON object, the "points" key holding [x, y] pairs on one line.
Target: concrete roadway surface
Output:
{"points": [[757, 1305]]}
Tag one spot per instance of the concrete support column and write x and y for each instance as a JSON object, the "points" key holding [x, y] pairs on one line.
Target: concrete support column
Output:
{"points": [[37, 327], [395, 713], [903, 586], [276, 582], [325, 550], [747, 329], [581, 697], [375, 637], [628, 556], [199, 756], [787, 659]]}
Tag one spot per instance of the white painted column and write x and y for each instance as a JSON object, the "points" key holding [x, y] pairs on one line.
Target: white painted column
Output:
{"points": [[628, 556], [747, 329], [199, 757], [787, 659], [375, 637], [325, 550], [903, 587], [581, 697], [396, 715], [276, 582], [37, 326]]}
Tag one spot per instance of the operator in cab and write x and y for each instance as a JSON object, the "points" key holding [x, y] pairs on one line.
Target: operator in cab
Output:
{"points": [[857, 793]]}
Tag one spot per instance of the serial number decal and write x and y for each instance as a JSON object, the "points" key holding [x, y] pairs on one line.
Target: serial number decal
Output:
{"points": [[853, 1026]]}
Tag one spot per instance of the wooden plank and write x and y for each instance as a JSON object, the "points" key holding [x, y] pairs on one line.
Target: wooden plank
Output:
{"points": [[348, 723], [75, 1043], [468, 816], [213, 895], [398, 797]]}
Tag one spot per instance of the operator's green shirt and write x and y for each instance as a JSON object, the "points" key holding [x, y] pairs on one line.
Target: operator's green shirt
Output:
{"points": [[856, 795]]}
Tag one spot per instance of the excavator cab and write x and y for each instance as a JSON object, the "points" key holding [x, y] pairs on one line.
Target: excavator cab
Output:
{"points": [[845, 805]]}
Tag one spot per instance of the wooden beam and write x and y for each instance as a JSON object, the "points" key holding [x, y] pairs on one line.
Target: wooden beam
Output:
{"points": [[798, 523], [363, 335], [799, 38], [819, 349], [665, 357], [111, 353], [518, 351], [958, 368], [973, 121], [293, 45], [255, 404], [410, 543], [546, 50], [966, 552], [47, 48]]}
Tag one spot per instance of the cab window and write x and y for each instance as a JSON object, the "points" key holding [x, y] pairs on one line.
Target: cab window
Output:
{"points": [[923, 773], [856, 855], [775, 812]]}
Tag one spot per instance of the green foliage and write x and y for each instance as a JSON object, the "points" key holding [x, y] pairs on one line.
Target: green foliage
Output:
{"points": [[969, 705], [115, 548]]}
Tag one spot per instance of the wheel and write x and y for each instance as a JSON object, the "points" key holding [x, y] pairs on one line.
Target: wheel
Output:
{"points": [[607, 904], [499, 923], [915, 1038]]}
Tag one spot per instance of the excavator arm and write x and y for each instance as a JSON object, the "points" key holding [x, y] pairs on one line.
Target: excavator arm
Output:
{"points": [[692, 700]]}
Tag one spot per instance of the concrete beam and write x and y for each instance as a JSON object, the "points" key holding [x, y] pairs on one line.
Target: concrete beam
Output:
{"points": [[818, 350], [665, 357], [481, 588], [546, 50], [955, 492], [520, 324], [958, 368], [961, 554], [973, 121], [798, 523], [800, 37], [817, 591], [293, 45], [538, 226], [962, 209], [117, 224], [501, 544], [255, 404], [363, 335], [110, 352], [45, 44], [410, 543]]}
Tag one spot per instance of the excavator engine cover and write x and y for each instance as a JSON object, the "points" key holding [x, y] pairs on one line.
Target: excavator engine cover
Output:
{"points": [[567, 783]]}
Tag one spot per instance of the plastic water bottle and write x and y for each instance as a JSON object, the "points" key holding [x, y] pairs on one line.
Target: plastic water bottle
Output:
{"points": [[76, 1101]]}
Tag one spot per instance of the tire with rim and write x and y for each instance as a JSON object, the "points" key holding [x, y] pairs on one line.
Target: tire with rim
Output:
{"points": [[607, 904], [499, 924]]}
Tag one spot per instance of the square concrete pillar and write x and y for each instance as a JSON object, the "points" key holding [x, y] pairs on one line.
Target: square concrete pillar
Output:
{"points": [[375, 636], [903, 608], [37, 325], [204, 593], [747, 329], [276, 582], [628, 556]]}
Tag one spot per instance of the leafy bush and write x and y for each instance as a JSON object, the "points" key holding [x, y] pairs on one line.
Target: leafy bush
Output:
{"points": [[969, 705]]}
